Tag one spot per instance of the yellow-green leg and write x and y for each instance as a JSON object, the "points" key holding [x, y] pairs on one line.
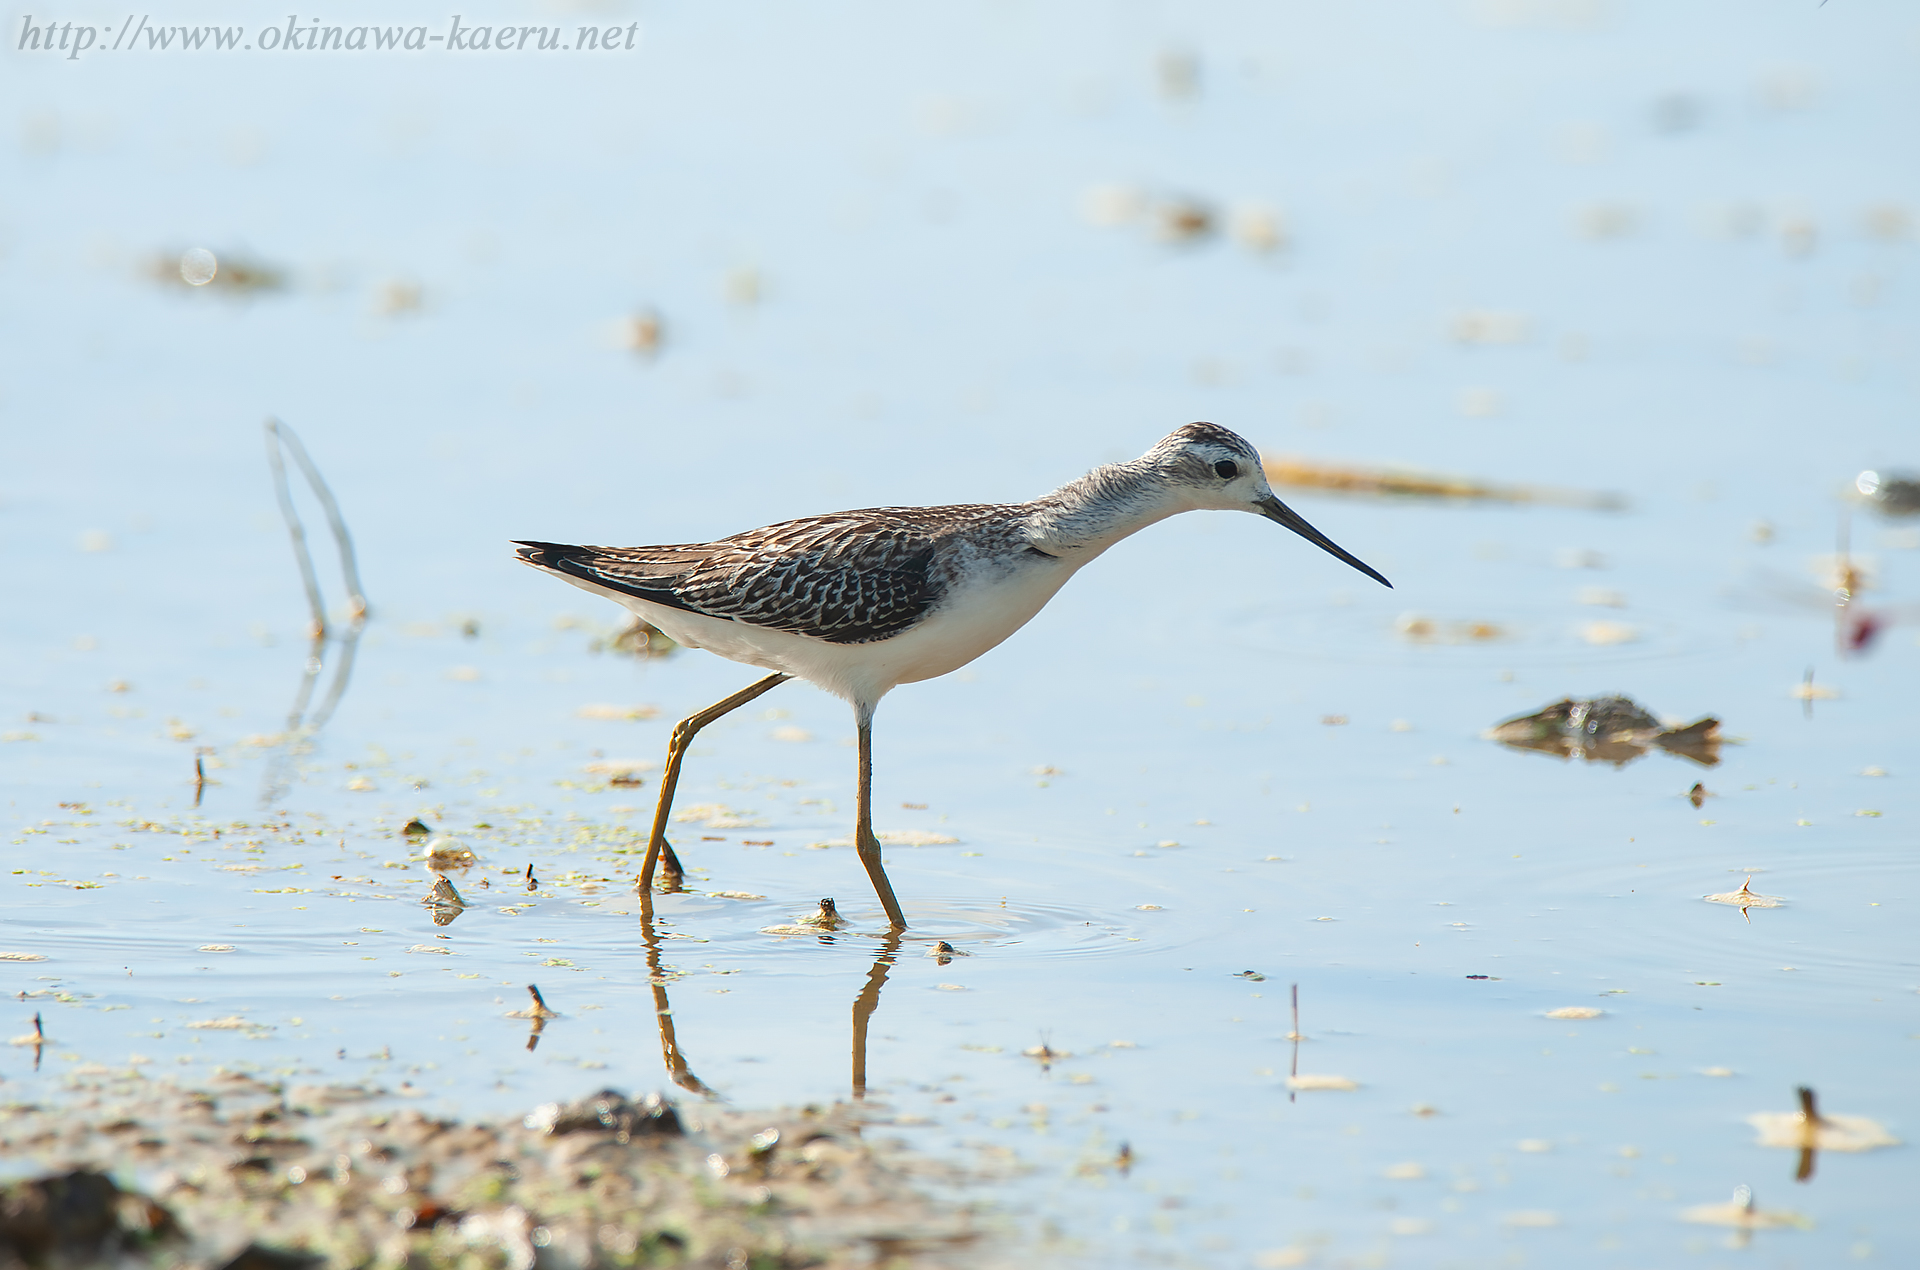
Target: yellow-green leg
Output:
{"points": [[683, 734], [868, 845]]}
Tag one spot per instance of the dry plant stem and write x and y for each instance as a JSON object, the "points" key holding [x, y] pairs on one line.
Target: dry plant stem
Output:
{"points": [[1294, 1036], [282, 441], [868, 845], [356, 598], [865, 1004], [683, 734], [277, 437], [1810, 1116]]}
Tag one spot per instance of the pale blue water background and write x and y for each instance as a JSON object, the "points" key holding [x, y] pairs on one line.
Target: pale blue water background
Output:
{"points": [[939, 322]]}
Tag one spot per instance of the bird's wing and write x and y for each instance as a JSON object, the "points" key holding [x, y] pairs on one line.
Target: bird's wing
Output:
{"points": [[847, 578]]}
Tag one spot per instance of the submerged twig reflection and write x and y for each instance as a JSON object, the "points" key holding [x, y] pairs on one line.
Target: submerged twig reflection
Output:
{"points": [[302, 724]]}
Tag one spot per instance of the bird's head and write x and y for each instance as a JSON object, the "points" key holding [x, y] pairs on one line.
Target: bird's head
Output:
{"points": [[1214, 469]]}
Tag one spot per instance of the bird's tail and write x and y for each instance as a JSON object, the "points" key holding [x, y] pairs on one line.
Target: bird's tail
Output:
{"points": [[546, 555]]}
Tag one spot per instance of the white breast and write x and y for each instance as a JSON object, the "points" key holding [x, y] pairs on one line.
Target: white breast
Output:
{"points": [[973, 617]]}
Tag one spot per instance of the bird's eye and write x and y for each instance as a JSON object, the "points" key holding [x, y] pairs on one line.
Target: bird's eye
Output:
{"points": [[1227, 469]]}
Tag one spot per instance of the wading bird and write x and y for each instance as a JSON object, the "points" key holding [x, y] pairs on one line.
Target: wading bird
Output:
{"points": [[858, 602]]}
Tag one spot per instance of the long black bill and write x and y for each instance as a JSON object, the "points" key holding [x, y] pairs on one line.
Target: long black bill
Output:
{"points": [[1278, 512]]}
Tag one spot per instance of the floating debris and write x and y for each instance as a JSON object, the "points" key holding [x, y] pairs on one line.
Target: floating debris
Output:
{"points": [[1895, 494], [643, 332], [629, 713], [716, 816], [891, 837], [641, 639], [1745, 898], [449, 853], [623, 772], [200, 269], [1699, 794], [1811, 1129], [399, 295], [827, 918], [1607, 730], [1301, 1082], [1182, 220], [1371, 482], [944, 952], [1531, 1219], [538, 1010], [1742, 1213], [1178, 218], [1258, 227], [1489, 326], [416, 828], [1576, 1012], [445, 901], [1807, 690], [1606, 634], [1421, 629]]}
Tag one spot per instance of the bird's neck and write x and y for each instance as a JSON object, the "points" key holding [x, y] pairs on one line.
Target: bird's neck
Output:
{"points": [[1083, 518]]}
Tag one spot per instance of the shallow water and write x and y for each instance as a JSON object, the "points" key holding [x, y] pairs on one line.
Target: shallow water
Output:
{"points": [[1145, 796]]}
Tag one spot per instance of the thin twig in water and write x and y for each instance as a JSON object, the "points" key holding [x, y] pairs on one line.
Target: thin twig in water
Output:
{"points": [[1810, 1122], [356, 598], [301, 725], [1294, 1036]]}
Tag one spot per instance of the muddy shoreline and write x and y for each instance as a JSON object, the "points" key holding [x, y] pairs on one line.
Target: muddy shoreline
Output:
{"points": [[248, 1174]]}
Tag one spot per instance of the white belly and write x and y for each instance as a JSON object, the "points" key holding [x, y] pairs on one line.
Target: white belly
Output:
{"points": [[975, 617]]}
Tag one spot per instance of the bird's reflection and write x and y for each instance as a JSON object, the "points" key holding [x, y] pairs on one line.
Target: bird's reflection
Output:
{"points": [[864, 1004], [670, 1053]]}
